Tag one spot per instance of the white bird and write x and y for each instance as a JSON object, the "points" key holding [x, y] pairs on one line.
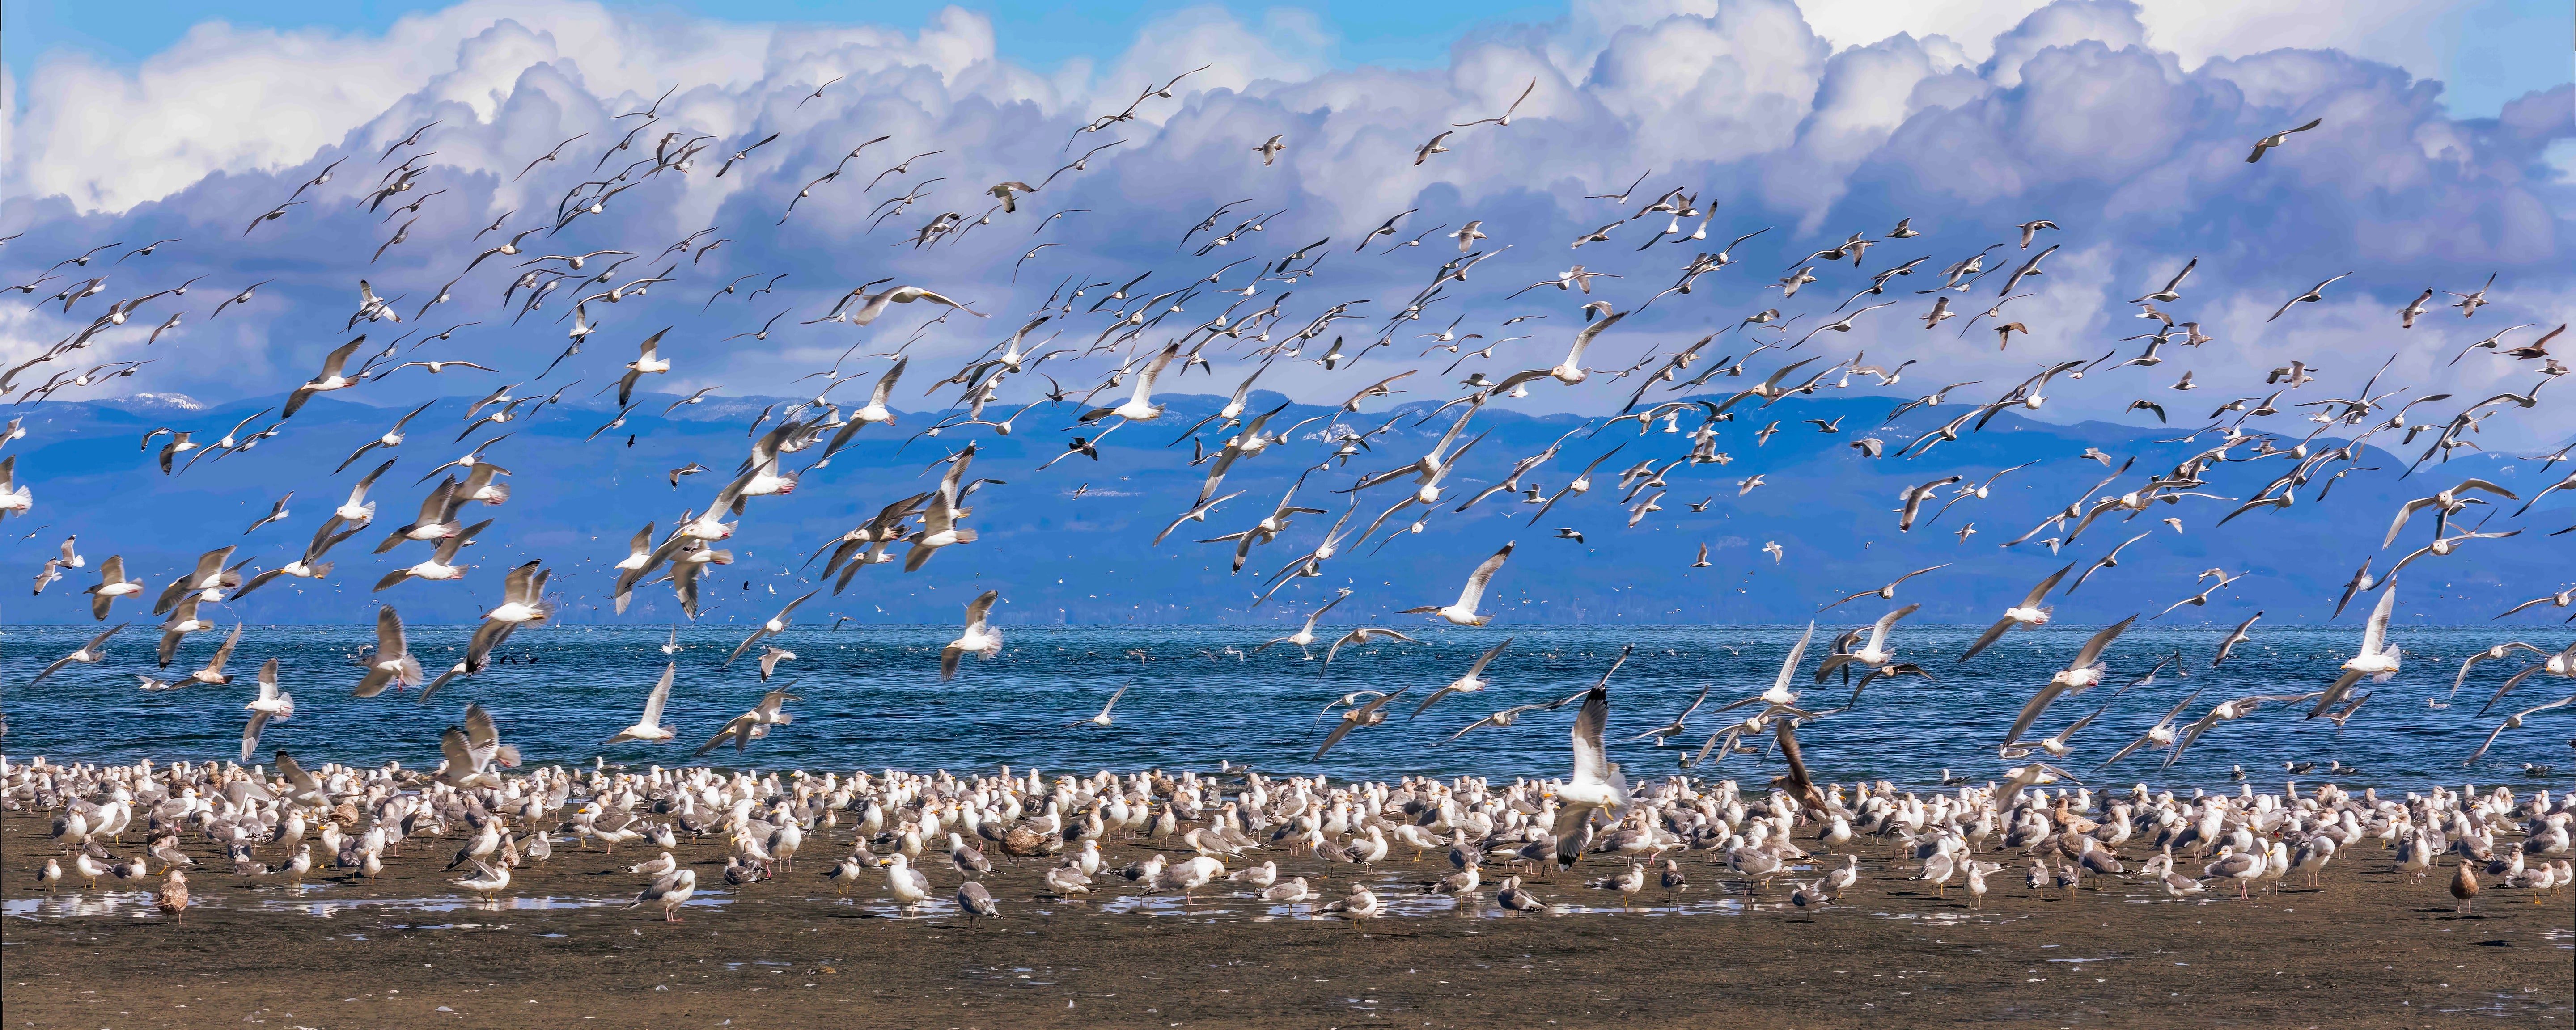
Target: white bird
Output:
{"points": [[906, 883], [979, 638], [2377, 659], [2029, 614], [1102, 719], [651, 727], [1463, 613], [486, 880], [1596, 783], [672, 891], [874, 304], [1472, 681], [271, 704], [391, 663], [1140, 406]]}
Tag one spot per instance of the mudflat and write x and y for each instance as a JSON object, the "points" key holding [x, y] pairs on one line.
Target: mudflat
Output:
{"points": [[559, 948]]}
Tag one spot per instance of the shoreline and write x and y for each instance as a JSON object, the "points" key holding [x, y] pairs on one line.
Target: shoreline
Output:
{"points": [[559, 948]]}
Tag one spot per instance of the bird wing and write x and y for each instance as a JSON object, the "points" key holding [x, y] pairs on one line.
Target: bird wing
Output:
{"points": [[2376, 634], [1584, 339], [1789, 669], [1806, 791], [459, 754], [739, 728], [979, 608], [250, 734], [1591, 761], [1475, 590], [295, 774], [1878, 631], [1144, 393], [2092, 651], [661, 694], [2030, 712], [2040, 592], [1993, 633], [1478, 668], [225, 653], [2403, 513], [480, 732]]}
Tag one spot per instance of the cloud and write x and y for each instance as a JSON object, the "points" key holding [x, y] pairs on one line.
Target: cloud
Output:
{"points": [[2084, 113]]}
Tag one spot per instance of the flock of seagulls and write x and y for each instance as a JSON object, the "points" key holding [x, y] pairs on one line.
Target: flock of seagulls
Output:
{"points": [[1140, 348], [1273, 841]]}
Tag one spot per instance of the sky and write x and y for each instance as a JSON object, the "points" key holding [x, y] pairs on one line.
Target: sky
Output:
{"points": [[2081, 153], [2486, 52]]}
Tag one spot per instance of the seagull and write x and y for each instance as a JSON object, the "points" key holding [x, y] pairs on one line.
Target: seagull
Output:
{"points": [[775, 625], [2310, 297], [1469, 683], [1596, 783], [2513, 722], [391, 663], [2278, 139], [978, 639], [1886, 593], [1463, 613], [651, 727], [1361, 635], [1102, 719], [87, 654], [271, 704], [2377, 659], [2077, 677], [2448, 502], [112, 584], [1305, 635], [754, 724], [1369, 714], [2029, 614]]}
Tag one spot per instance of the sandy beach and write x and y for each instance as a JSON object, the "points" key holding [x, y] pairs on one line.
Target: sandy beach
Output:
{"points": [[558, 948]]}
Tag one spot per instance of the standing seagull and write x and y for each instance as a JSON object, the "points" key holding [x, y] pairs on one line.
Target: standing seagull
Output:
{"points": [[1463, 613]]}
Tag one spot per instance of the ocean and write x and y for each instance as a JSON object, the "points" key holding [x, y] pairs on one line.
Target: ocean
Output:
{"points": [[871, 699]]}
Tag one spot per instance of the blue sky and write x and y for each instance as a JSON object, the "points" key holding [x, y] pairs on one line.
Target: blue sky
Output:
{"points": [[1041, 33], [2486, 51]]}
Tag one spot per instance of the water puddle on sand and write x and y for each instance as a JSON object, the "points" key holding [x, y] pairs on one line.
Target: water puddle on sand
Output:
{"points": [[139, 905]]}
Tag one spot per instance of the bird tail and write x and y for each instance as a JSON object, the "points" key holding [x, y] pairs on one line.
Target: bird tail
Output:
{"points": [[322, 570], [496, 494], [965, 536]]}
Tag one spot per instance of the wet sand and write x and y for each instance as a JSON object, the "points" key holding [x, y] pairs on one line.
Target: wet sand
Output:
{"points": [[558, 949]]}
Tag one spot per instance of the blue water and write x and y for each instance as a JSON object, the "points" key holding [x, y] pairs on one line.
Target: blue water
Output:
{"points": [[872, 699]]}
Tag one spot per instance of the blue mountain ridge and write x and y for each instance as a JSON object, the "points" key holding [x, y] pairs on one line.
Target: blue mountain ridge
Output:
{"points": [[1070, 545]]}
